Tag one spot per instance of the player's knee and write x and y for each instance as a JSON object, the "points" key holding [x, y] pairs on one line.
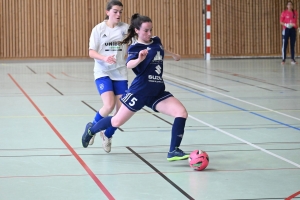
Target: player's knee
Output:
{"points": [[182, 113], [109, 107], [115, 122]]}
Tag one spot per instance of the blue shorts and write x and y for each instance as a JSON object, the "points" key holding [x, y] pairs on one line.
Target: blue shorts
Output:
{"points": [[105, 84], [136, 102]]}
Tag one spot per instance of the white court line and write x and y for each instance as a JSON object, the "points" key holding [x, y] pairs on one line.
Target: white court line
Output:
{"points": [[233, 98], [244, 141]]}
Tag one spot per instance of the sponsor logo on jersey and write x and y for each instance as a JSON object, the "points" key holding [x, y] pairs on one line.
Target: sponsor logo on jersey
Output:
{"points": [[153, 77], [158, 56], [131, 53], [158, 69], [113, 46]]}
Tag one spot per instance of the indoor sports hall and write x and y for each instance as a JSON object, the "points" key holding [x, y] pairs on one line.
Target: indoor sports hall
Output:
{"points": [[242, 103]]}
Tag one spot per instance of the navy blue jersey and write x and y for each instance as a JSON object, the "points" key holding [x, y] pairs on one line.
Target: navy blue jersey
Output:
{"points": [[148, 80]]}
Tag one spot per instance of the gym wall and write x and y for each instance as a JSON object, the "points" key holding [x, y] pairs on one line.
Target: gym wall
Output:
{"points": [[61, 28]]}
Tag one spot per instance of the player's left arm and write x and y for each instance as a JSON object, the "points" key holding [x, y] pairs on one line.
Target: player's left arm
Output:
{"points": [[174, 55]]}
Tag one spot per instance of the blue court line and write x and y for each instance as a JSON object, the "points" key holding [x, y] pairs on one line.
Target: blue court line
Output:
{"points": [[239, 108]]}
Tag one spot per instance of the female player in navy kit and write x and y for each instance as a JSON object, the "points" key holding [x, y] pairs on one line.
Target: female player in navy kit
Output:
{"points": [[110, 72], [145, 58], [288, 20]]}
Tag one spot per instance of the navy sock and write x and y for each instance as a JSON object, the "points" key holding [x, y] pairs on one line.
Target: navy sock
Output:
{"points": [[101, 125], [97, 118], [110, 131], [177, 132]]}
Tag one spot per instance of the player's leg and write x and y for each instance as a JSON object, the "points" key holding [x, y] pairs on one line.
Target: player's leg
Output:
{"points": [[173, 107], [293, 42], [105, 88], [285, 37], [119, 88], [130, 104], [119, 119]]}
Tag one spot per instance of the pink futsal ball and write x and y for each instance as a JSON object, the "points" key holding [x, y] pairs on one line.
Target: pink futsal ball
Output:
{"points": [[198, 160]]}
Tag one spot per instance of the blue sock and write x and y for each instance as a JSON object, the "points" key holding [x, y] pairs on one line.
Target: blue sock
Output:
{"points": [[177, 132], [97, 118], [110, 131], [101, 125]]}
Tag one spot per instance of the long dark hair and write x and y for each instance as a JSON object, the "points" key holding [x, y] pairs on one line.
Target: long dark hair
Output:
{"points": [[112, 3], [135, 23], [294, 16]]}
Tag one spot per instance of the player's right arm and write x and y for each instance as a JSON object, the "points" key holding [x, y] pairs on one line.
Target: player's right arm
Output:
{"points": [[109, 59], [133, 63], [282, 19], [95, 45]]}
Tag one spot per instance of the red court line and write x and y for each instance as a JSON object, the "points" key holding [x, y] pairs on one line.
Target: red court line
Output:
{"points": [[66, 74], [137, 173], [88, 170], [51, 75], [293, 196]]}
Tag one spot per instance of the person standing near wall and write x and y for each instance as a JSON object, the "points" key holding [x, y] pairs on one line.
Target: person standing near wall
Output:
{"points": [[110, 71], [288, 20]]}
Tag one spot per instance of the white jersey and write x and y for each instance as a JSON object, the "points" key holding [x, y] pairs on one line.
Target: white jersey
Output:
{"points": [[106, 41]]}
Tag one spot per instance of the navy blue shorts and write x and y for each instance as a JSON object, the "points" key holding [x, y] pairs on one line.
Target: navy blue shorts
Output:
{"points": [[136, 102], [105, 84]]}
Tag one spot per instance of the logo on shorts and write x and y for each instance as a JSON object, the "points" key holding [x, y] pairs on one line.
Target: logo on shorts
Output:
{"points": [[101, 86], [158, 69]]}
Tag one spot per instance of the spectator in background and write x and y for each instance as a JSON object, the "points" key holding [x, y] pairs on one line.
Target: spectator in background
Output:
{"points": [[288, 20]]}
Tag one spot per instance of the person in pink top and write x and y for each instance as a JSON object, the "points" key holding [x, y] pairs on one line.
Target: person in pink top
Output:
{"points": [[288, 20]]}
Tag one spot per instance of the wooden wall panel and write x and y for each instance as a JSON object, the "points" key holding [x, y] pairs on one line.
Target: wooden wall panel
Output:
{"points": [[247, 27], [61, 28]]}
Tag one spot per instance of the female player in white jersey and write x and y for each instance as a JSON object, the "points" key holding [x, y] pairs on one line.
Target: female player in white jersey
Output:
{"points": [[110, 70], [145, 58]]}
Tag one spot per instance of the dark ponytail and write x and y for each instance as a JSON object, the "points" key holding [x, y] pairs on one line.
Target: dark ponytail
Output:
{"points": [[294, 16], [135, 23]]}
